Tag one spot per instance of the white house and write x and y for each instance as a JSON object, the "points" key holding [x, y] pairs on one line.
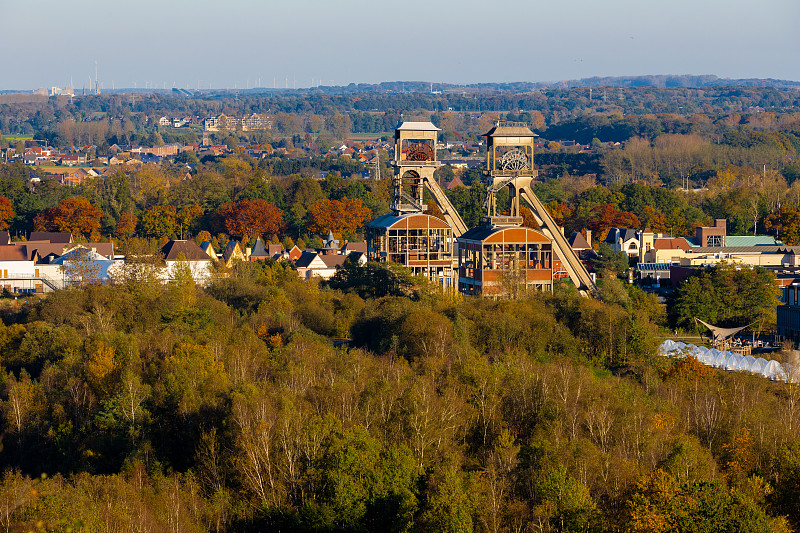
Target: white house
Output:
{"points": [[624, 240], [190, 254]]}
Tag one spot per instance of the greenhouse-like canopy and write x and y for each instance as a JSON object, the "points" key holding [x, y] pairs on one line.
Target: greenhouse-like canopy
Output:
{"points": [[721, 333], [732, 361]]}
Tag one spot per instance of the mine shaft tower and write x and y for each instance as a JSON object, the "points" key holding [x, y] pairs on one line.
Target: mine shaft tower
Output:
{"points": [[408, 236], [414, 163], [509, 163]]}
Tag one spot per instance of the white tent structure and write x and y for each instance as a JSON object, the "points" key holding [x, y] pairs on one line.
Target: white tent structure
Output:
{"points": [[758, 366], [772, 370], [732, 361]]}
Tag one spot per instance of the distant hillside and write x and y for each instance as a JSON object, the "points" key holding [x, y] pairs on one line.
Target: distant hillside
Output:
{"points": [[662, 80], [407, 87], [685, 80]]}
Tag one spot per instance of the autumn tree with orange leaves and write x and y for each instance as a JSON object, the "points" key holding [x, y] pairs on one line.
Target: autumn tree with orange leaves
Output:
{"points": [[605, 217], [560, 212], [250, 218], [74, 215], [6, 212], [655, 220], [337, 215], [126, 225]]}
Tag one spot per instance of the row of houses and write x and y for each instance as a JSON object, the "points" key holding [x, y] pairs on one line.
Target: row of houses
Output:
{"points": [[50, 261], [38, 155], [253, 122], [176, 122], [660, 257]]}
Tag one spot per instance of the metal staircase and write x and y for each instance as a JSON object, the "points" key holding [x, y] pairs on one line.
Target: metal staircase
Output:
{"points": [[449, 212], [575, 269]]}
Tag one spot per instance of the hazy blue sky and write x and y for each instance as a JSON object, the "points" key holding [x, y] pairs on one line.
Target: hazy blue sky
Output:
{"points": [[229, 42]]}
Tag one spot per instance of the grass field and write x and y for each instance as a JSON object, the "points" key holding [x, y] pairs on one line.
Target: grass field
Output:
{"points": [[369, 136], [16, 138]]}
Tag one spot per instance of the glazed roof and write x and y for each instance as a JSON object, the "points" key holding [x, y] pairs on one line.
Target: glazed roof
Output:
{"points": [[390, 220], [484, 232]]}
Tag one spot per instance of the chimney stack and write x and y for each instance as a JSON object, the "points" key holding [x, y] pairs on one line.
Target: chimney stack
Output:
{"points": [[589, 237]]}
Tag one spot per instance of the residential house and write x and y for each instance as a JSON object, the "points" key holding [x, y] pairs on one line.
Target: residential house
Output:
{"points": [[456, 182], [315, 264], [188, 253], [233, 252], [78, 266], [163, 151], [51, 237], [294, 254], [583, 248], [331, 244], [259, 251], [256, 122], [40, 264], [209, 250], [354, 247], [624, 240], [71, 159]]}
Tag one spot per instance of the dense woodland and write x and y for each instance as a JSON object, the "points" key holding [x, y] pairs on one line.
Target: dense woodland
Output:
{"points": [[240, 407], [153, 408]]}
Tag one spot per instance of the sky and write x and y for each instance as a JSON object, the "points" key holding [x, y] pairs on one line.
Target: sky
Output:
{"points": [[297, 43]]}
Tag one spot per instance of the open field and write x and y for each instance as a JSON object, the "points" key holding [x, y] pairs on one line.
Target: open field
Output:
{"points": [[369, 136]]}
